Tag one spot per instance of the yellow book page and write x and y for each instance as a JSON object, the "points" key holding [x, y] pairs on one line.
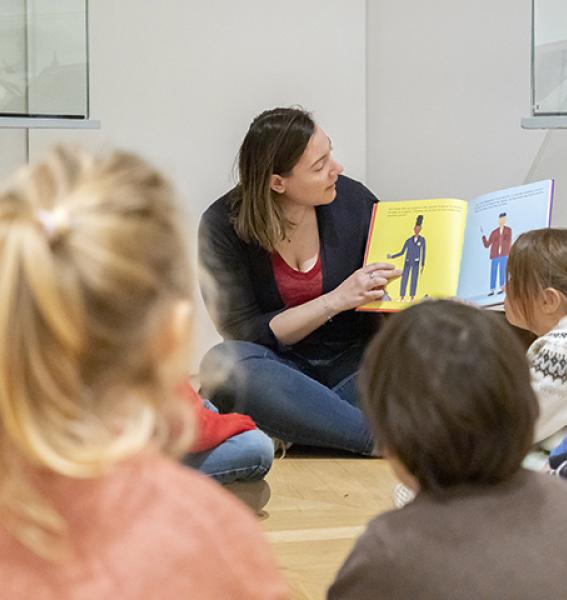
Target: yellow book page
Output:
{"points": [[424, 239]]}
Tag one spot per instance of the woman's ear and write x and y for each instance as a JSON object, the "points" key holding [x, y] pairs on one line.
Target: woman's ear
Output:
{"points": [[277, 184]]}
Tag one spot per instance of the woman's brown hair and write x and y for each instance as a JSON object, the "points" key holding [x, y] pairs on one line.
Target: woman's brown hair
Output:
{"points": [[538, 260], [447, 389], [273, 145]]}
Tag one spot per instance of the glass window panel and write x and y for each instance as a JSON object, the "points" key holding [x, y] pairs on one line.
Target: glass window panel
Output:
{"points": [[550, 57], [43, 58]]}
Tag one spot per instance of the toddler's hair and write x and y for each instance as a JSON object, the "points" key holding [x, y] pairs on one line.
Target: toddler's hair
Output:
{"points": [[447, 390], [538, 260], [92, 262]]}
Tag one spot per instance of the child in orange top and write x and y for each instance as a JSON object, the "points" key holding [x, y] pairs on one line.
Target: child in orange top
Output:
{"points": [[94, 324]]}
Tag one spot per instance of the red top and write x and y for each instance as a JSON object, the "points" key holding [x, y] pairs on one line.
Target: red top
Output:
{"points": [[212, 429], [296, 287]]}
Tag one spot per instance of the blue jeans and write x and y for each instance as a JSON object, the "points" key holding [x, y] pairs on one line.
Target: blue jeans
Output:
{"points": [[497, 265], [247, 456], [308, 402]]}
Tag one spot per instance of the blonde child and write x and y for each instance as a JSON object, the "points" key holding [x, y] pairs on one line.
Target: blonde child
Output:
{"points": [[94, 315], [447, 390], [536, 299]]}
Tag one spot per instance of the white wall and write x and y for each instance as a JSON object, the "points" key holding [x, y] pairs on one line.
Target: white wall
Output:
{"points": [[421, 99], [551, 163], [12, 97], [180, 81], [12, 150], [448, 83]]}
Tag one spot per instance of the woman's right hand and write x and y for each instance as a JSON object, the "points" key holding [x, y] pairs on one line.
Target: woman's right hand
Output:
{"points": [[363, 286]]}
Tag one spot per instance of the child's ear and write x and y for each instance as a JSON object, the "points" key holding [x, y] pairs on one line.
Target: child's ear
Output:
{"points": [[552, 301], [175, 329], [277, 184]]}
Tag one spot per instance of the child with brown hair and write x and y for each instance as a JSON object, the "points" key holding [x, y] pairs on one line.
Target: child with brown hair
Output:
{"points": [[447, 390], [95, 305], [536, 299]]}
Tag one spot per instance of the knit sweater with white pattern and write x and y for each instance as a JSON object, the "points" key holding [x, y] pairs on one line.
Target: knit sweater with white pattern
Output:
{"points": [[548, 365]]}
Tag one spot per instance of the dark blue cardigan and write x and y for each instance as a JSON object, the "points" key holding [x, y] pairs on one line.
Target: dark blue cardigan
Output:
{"points": [[238, 284]]}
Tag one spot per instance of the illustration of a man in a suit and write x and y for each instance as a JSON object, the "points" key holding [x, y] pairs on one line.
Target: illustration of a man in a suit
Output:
{"points": [[414, 249], [499, 242]]}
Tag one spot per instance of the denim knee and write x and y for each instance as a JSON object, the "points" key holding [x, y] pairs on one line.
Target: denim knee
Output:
{"points": [[222, 373], [231, 351], [219, 362], [247, 456], [259, 451]]}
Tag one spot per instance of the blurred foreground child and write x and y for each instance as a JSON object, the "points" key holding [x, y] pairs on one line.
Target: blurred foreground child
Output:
{"points": [[94, 315]]}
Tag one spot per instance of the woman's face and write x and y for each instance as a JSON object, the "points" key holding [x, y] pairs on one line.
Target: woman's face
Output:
{"points": [[312, 180]]}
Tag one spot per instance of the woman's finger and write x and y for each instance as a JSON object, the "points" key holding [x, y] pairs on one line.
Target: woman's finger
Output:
{"points": [[376, 281], [387, 274], [378, 266], [373, 295]]}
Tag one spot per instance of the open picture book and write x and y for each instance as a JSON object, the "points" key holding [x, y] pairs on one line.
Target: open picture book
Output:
{"points": [[448, 247]]}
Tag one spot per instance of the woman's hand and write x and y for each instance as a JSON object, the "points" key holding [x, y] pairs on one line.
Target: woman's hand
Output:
{"points": [[363, 286]]}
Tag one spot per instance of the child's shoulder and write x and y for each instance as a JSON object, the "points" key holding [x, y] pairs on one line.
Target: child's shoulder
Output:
{"points": [[560, 330], [212, 524], [555, 339], [187, 490], [151, 528]]}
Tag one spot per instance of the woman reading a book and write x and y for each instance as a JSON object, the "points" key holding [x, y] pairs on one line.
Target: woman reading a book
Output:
{"points": [[281, 275]]}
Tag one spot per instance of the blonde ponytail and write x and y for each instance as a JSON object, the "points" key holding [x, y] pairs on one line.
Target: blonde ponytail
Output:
{"points": [[92, 259]]}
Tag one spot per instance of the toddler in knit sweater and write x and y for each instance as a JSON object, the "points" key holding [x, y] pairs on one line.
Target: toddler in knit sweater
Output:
{"points": [[536, 299]]}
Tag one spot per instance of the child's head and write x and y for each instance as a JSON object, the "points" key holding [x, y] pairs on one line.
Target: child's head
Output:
{"points": [[536, 290], [94, 298], [447, 390]]}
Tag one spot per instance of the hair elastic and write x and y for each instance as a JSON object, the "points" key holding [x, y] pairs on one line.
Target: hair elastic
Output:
{"points": [[53, 222]]}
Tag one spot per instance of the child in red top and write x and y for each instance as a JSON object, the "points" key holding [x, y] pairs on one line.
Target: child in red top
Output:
{"points": [[228, 447]]}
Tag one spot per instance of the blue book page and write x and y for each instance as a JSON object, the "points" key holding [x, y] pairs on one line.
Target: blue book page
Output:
{"points": [[494, 221]]}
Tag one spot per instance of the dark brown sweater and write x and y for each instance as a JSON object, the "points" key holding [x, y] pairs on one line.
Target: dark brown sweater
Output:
{"points": [[507, 541]]}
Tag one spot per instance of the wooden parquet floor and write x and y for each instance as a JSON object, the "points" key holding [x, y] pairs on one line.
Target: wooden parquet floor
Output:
{"points": [[320, 504]]}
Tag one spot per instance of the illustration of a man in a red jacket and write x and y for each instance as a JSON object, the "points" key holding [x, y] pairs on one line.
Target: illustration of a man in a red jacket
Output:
{"points": [[499, 242]]}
